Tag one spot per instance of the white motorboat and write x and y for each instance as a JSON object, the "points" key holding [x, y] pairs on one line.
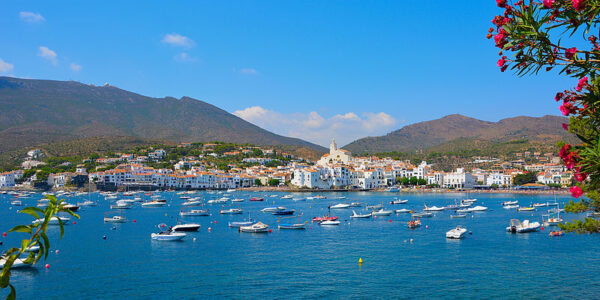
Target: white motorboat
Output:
{"points": [[330, 223], [357, 216], [540, 205], [191, 203], [464, 210], [383, 212], [237, 200], [403, 211], [355, 204], [71, 207], [43, 203], [517, 226], [375, 207], [273, 209], [477, 208], [433, 208], [510, 206], [523, 208], [231, 211], [287, 197], [115, 219], [340, 206], [399, 201], [218, 201], [185, 227], [469, 200], [194, 213], [241, 223], [422, 215], [53, 221], [506, 203], [166, 234], [155, 203], [456, 233], [258, 227], [16, 203], [458, 216], [87, 203], [18, 263]]}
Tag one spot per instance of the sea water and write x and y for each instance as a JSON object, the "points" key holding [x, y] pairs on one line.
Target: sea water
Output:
{"points": [[319, 262]]}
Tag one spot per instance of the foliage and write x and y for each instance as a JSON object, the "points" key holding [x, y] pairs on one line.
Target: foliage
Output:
{"points": [[590, 225], [257, 182], [534, 33], [273, 182], [37, 237], [521, 179]]}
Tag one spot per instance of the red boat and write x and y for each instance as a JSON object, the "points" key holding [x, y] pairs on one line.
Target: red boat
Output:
{"points": [[257, 199], [325, 218]]}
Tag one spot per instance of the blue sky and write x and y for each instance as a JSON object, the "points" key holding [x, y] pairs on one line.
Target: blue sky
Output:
{"points": [[308, 69]]}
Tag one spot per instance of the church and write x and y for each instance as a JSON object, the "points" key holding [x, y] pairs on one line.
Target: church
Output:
{"points": [[335, 156]]}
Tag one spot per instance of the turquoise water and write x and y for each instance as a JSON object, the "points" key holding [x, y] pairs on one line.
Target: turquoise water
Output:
{"points": [[315, 263]]}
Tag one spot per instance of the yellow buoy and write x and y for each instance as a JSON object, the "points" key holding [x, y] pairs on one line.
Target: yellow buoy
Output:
{"points": [[360, 261]]}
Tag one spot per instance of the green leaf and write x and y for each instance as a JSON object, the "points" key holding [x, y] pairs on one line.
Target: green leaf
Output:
{"points": [[13, 294], [24, 244], [33, 211], [21, 228], [46, 247]]}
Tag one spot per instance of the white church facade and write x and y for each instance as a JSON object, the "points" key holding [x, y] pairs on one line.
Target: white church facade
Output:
{"points": [[335, 156]]}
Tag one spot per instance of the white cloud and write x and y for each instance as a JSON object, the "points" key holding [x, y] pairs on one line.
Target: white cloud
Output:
{"points": [[248, 71], [48, 54], [31, 17], [184, 57], [5, 67], [75, 67], [175, 39], [315, 128]]}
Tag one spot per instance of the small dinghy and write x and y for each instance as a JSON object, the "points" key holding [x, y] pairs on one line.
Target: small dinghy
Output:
{"points": [[114, 219], [285, 212], [242, 223], [422, 215], [323, 219], [523, 208], [257, 199], [456, 233], [414, 223], [292, 226], [357, 216], [167, 235], [258, 227], [16, 203]]}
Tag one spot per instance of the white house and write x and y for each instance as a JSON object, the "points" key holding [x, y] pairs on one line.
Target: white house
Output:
{"points": [[7, 179], [459, 179]]}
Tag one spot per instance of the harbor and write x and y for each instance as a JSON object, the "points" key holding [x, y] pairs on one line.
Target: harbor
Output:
{"points": [[120, 259]]}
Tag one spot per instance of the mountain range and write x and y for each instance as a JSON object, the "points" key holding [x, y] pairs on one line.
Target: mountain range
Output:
{"points": [[463, 132], [35, 112]]}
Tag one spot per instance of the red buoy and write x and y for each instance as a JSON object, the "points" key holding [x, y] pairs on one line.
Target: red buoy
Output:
{"points": [[74, 222], [133, 220], [4, 234], [269, 230], [47, 266]]}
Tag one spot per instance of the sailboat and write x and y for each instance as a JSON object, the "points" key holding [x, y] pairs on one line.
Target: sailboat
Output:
{"points": [[291, 225]]}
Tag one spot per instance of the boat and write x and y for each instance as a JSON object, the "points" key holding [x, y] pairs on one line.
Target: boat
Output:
{"points": [[292, 226], [258, 227], [320, 197], [325, 218], [505, 203], [340, 206], [155, 203], [121, 205], [517, 226], [70, 207], [398, 201], [383, 212], [167, 235], [43, 203], [540, 205], [185, 227], [53, 221], [422, 215], [363, 216], [523, 208], [330, 223], [231, 211], [414, 223], [469, 200], [477, 208], [194, 213], [458, 216], [18, 263], [456, 233], [217, 201], [355, 204], [299, 199], [433, 208], [287, 197], [257, 199], [285, 212], [87, 203], [556, 233], [462, 211], [402, 211], [242, 223], [16, 203], [272, 209], [237, 200], [191, 203], [510, 206], [452, 207], [115, 219]]}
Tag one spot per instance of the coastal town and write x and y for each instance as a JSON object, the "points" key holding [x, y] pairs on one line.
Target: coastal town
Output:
{"points": [[226, 166]]}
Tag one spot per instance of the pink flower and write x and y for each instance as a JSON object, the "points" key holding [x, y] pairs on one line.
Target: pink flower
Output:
{"points": [[567, 109], [576, 191], [569, 53], [582, 83], [502, 3], [559, 96], [548, 3], [577, 4], [565, 126], [501, 62], [580, 176]]}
